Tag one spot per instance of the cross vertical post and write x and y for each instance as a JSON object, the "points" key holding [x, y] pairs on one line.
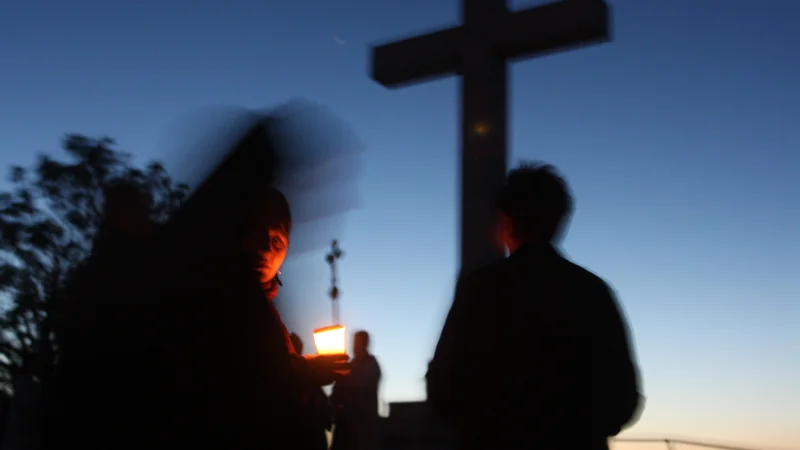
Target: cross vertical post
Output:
{"points": [[479, 50], [484, 111]]}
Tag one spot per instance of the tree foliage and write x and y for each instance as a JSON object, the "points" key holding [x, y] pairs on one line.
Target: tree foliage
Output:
{"points": [[48, 220]]}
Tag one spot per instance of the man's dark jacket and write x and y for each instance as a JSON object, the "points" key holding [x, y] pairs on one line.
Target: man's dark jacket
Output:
{"points": [[534, 354]]}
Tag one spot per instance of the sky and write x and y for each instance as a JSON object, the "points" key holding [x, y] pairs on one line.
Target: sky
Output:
{"points": [[679, 140]]}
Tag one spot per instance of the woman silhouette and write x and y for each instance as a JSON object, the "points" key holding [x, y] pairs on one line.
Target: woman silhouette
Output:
{"points": [[235, 379]]}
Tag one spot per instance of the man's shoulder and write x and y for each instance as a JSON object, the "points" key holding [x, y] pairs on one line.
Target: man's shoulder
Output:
{"points": [[558, 267], [484, 275], [584, 275]]}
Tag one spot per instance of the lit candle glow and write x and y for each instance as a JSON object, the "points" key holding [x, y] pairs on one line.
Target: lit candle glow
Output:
{"points": [[330, 340]]}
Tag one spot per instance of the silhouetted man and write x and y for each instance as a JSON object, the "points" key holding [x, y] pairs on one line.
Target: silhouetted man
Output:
{"points": [[318, 405], [355, 400], [105, 393], [534, 352]]}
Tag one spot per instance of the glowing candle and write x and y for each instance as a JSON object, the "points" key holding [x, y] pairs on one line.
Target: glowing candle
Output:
{"points": [[330, 340]]}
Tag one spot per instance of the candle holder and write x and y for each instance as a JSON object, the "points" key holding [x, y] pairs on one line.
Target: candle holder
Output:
{"points": [[330, 340]]}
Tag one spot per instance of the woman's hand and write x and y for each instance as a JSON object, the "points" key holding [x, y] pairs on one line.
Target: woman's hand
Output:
{"points": [[325, 369]]}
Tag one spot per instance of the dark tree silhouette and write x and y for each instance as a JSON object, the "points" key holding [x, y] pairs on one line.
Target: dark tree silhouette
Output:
{"points": [[47, 223]]}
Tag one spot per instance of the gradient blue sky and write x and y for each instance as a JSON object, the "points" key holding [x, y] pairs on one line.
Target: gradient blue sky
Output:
{"points": [[680, 140]]}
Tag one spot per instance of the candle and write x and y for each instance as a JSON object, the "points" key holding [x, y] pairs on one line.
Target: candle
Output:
{"points": [[330, 340]]}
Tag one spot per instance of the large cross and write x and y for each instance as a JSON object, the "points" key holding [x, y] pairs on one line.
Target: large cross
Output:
{"points": [[478, 50]]}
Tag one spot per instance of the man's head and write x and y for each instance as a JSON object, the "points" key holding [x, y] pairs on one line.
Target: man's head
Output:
{"points": [[127, 209], [269, 229], [534, 205], [296, 343], [360, 344]]}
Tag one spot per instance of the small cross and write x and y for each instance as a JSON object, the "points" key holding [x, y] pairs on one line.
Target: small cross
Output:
{"points": [[334, 255]]}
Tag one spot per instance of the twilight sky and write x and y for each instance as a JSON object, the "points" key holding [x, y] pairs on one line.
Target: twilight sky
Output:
{"points": [[680, 141]]}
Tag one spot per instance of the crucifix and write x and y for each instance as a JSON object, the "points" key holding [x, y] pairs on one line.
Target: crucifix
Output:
{"points": [[334, 255], [478, 50]]}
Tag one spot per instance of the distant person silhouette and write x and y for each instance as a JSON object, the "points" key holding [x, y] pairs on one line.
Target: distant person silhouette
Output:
{"points": [[107, 328], [317, 405], [535, 352], [355, 400]]}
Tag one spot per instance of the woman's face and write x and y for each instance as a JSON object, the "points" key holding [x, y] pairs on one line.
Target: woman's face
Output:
{"points": [[270, 259]]}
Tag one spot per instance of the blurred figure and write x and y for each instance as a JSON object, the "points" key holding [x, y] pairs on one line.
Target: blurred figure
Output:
{"points": [[5, 408], [108, 327], [128, 207], [317, 404], [355, 400], [535, 352], [237, 382]]}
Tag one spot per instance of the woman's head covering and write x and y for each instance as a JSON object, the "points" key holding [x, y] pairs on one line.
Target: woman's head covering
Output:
{"points": [[273, 212], [300, 149], [248, 170]]}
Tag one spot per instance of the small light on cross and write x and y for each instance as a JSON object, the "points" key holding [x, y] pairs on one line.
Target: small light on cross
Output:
{"points": [[481, 128]]}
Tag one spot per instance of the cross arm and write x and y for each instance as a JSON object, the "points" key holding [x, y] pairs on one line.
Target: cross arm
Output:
{"points": [[418, 58], [553, 27]]}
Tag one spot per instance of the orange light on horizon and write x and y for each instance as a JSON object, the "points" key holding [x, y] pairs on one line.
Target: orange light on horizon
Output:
{"points": [[330, 340]]}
